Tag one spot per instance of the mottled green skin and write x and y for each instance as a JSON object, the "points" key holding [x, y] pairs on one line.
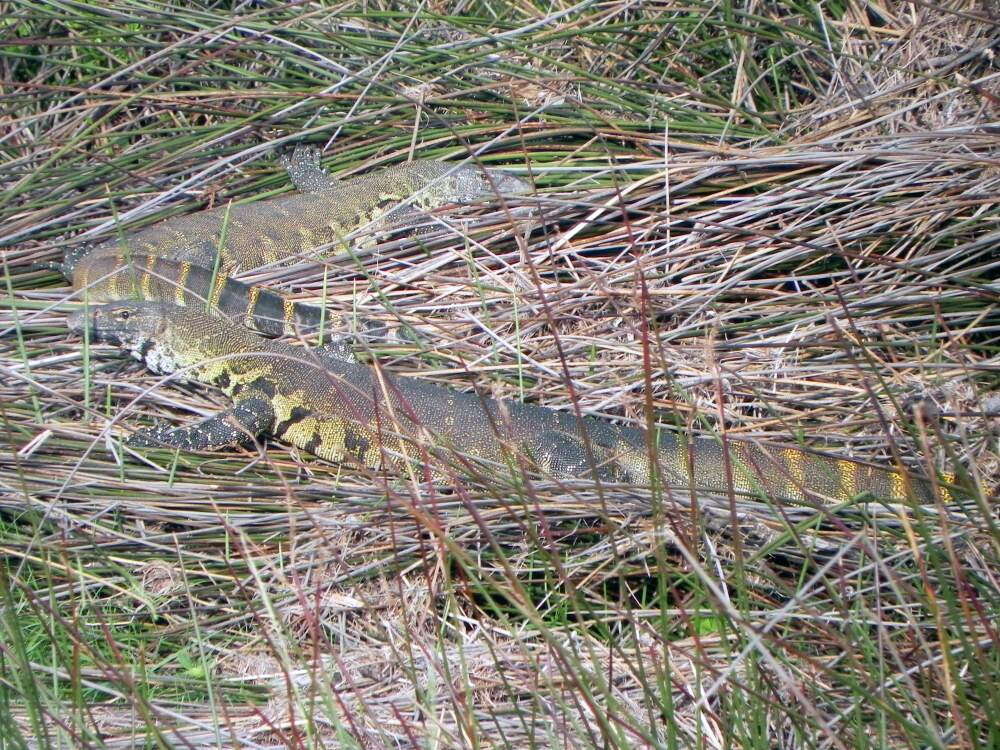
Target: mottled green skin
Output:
{"points": [[347, 412], [215, 244]]}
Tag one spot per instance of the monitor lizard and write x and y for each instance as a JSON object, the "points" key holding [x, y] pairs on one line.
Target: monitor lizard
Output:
{"points": [[190, 259], [347, 412]]}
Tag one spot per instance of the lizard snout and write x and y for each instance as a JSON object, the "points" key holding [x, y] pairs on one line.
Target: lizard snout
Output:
{"points": [[78, 320]]}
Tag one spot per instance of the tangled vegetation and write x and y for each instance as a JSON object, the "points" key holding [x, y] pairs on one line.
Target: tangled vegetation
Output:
{"points": [[771, 220]]}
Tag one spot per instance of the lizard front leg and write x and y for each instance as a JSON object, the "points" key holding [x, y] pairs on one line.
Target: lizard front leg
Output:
{"points": [[305, 171], [237, 426]]}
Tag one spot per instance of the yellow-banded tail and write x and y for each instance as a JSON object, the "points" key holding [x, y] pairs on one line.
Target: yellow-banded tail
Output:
{"points": [[122, 276]]}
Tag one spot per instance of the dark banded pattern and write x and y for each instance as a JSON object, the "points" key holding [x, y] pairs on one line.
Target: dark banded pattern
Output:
{"points": [[759, 469], [108, 278]]}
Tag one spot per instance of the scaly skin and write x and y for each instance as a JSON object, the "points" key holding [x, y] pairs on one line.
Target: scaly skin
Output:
{"points": [[343, 411], [127, 277], [189, 259]]}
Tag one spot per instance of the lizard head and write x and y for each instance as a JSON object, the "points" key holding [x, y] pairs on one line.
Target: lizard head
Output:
{"points": [[443, 182], [497, 181], [152, 332]]}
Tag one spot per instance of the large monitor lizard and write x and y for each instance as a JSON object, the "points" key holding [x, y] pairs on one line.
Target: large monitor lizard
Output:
{"points": [[344, 411], [188, 260]]}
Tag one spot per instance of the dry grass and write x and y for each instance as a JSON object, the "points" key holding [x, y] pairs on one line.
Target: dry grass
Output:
{"points": [[777, 220]]}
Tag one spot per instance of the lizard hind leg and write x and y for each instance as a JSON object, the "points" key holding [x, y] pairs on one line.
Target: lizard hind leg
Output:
{"points": [[237, 426], [305, 172]]}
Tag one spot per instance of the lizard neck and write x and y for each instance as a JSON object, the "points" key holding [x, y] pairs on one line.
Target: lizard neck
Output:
{"points": [[209, 350]]}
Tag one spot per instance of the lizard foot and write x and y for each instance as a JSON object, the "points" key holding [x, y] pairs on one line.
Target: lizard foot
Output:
{"points": [[305, 170]]}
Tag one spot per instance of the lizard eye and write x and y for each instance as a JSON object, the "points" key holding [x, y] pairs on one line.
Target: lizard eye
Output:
{"points": [[124, 315]]}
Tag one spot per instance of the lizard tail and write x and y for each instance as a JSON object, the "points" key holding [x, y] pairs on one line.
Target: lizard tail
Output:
{"points": [[106, 278], [755, 469]]}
